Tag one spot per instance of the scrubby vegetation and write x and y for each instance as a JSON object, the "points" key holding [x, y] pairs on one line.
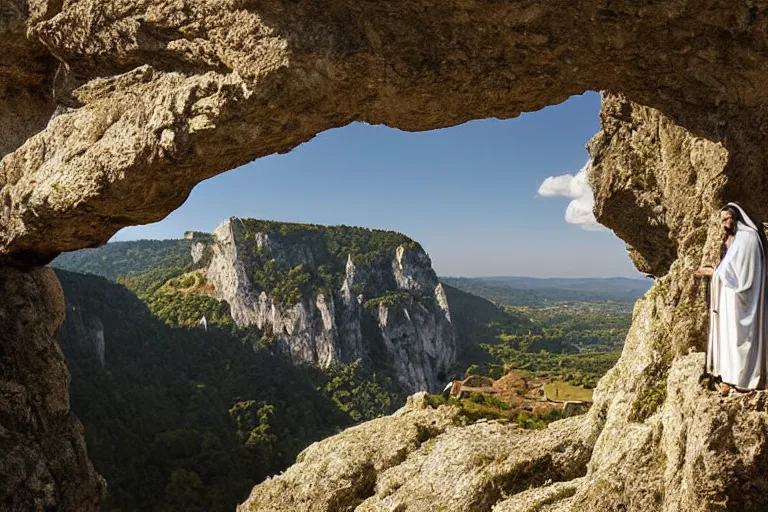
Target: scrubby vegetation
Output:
{"points": [[649, 400], [581, 369], [359, 391], [184, 310], [479, 406], [392, 299], [573, 343]]}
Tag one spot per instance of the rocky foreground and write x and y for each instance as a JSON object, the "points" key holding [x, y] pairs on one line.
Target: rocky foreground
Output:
{"points": [[693, 451]]}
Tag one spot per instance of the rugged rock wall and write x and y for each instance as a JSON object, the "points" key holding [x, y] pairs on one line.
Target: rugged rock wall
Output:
{"points": [[43, 459], [417, 336], [140, 89]]}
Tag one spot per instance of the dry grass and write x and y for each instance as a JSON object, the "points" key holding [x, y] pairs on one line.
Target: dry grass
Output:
{"points": [[562, 392]]}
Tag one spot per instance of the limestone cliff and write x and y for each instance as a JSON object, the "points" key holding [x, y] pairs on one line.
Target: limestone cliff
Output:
{"points": [[399, 316]]}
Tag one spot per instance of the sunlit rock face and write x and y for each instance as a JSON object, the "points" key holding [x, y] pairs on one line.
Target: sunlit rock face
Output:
{"points": [[654, 183], [114, 110], [417, 336], [422, 459]]}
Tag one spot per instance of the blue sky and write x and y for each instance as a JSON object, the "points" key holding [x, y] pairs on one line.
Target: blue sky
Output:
{"points": [[468, 193]]}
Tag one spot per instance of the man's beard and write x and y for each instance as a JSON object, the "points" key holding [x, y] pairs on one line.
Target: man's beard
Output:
{"points": [[730, 231]]}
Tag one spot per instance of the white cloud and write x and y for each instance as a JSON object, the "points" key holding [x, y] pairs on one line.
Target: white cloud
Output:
{"points": [[579, 211]]}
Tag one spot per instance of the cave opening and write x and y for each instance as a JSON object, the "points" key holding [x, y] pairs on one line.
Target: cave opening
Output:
{"points": [[153, 100], [476, 197]]}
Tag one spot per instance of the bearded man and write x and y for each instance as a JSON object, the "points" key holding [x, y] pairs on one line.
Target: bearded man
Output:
{"points": [[736, 348]]}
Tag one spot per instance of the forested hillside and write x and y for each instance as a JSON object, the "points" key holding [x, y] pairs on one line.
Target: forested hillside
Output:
{"points": [[189, 419], [125, 259]]}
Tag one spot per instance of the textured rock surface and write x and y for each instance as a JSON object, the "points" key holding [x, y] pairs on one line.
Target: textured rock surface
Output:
{"points": [[660, 189], [337, 473], [418, 337], [472, 467], [432, 461], [185, 91], [43, 460], [114, 110]]}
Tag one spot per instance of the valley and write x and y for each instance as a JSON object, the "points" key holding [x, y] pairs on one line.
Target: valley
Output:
{"points": [[202, 365]]}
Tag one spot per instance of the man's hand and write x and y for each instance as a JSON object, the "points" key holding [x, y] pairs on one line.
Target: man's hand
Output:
{"points": [[704, 272]]}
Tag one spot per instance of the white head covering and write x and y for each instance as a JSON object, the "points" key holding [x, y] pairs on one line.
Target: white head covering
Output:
{"points": [[751, 224], [747, 219]]}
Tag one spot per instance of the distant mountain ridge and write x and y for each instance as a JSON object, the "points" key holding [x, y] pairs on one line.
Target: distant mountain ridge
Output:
{"points": [[532, 291], [567, 282]]}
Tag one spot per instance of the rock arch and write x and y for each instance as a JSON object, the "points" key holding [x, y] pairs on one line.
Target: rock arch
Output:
{"points": [[115, 110], [110, 96]]}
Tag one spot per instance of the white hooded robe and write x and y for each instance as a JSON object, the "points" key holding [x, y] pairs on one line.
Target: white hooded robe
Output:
{"points": [[736, 349]]}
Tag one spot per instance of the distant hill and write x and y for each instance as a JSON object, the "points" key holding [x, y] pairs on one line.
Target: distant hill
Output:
{"points": [[531, 291]]}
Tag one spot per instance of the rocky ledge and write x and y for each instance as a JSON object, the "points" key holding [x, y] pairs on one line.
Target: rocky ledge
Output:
{"points": [[693, 451]]}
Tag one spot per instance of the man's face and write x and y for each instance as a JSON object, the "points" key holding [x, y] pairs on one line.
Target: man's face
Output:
{"points": [[729, 225]]}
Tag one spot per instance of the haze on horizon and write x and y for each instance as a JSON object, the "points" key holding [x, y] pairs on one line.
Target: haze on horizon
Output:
{"points": [[485, 198]]}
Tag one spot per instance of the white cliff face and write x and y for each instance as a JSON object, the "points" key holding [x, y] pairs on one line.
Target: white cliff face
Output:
{"points": [[442, 301], [415, 336], [349, 328], [413, 270], [197, 249], [227, 274], [323, 328]]}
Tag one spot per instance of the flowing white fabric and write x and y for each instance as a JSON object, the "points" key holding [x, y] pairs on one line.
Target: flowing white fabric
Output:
{"points": [[736, 349]]}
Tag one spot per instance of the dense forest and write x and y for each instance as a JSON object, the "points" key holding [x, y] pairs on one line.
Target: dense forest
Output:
{"points": [[188, 419]]}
